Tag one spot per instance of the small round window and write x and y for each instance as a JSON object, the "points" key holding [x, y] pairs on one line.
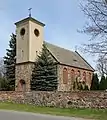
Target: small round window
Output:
{"points": [[36, 32], [22, 32]]}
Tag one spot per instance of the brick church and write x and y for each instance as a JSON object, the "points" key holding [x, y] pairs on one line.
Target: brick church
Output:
{"points": [[29, 41]]}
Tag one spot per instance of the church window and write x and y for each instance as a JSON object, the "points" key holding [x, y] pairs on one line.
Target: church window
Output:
{"points": [[90, 76], [36, 32], [84, 76], [65, 76], [22, 31], [72, 74], [78, 73]]}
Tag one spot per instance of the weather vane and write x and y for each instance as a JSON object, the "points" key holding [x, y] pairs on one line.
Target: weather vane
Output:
{"points": [[30, 12]]}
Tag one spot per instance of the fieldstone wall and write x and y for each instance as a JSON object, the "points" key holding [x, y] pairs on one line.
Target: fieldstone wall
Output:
{"points": [[12, 96], [23, 72], [80, 99], [69, 85]]}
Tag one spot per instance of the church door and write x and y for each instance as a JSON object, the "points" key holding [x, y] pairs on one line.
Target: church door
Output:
{"points": [[22, 85]]}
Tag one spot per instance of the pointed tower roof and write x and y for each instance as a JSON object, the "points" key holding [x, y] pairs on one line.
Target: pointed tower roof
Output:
{"points": [[30, 19]]}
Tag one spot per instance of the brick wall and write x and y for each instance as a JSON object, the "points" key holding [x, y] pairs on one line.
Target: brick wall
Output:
{"points": [[80, 99], [69, 85]]}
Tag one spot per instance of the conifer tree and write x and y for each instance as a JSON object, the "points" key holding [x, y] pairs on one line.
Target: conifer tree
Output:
{"points": [[9, 62], [3, 84], [95, 82], [44, 74], [102, 83], [106, 83]]}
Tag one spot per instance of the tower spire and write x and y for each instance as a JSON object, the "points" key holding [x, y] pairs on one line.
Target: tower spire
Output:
{"points": [[29, 11]]}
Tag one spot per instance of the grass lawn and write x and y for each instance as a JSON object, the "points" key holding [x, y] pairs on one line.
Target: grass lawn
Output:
{"points": [[84, 113]]}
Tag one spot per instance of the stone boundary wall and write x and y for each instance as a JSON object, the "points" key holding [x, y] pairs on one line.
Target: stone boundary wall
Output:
{"points": [[80, 99]]}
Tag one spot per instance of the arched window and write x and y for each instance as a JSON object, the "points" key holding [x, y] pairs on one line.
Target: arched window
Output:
{"points": [[84, 76], [72, 74], [78, 74], [22, 85], [89, 80], [90, 77], [65, 76]]}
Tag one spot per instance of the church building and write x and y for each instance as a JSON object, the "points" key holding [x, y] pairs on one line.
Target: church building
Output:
{"points": [[29, 41]]}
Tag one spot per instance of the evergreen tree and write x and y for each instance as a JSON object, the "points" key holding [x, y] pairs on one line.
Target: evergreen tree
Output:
{"points": [[3, 84], [44, 74], [0, 75], [102, 83], [95, 82], [106, 83], [9, 62]]}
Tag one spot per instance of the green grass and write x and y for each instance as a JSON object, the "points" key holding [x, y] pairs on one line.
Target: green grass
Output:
{"points": [[83, 113]]}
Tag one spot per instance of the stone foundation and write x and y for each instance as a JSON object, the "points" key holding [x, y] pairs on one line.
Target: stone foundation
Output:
{"points": [[81, 99]]}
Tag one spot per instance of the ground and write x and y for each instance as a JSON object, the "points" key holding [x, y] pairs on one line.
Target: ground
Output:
{"points": [[13, 115], [77, 113]]}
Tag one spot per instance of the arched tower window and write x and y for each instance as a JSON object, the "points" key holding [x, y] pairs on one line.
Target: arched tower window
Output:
{"points": [[65, 76]]}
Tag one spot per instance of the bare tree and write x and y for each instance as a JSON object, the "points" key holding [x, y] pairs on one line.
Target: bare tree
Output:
{"points": [[2, 69], [106, 1], [102, 65], [96, 12]]}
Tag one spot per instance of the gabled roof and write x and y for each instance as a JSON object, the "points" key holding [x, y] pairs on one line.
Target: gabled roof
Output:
{"points": [[67, 57]]}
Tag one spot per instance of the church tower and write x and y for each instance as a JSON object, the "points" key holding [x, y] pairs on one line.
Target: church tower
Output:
{"points": [[29, 40]]}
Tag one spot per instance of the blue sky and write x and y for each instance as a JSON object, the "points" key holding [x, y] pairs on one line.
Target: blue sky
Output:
{"points": [[62, 19]]}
